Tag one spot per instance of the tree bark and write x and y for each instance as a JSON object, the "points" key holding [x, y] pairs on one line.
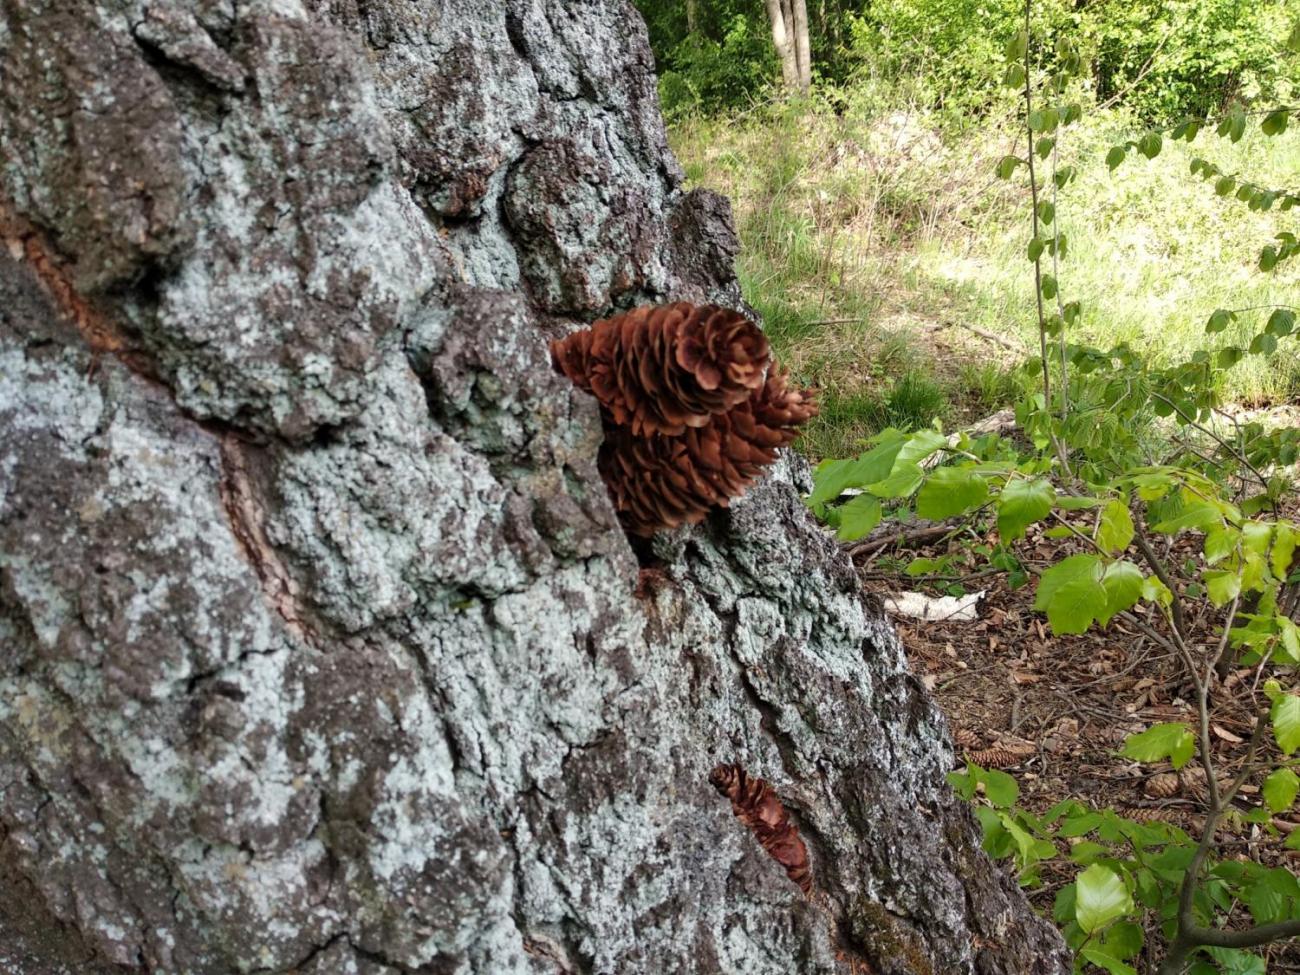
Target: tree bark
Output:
{"points": [[692, 15], [781, 18], [802, 53], [321, 650]]}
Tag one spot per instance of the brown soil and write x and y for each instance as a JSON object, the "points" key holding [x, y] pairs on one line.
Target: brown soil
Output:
{"points": [[1054, 711]]}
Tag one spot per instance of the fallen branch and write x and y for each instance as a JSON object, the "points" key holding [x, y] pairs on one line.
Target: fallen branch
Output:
{"points": [[891, 535], [984, 334]]}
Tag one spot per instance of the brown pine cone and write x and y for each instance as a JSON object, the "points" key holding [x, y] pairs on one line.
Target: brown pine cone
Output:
{"points": [[666, 368], [1166, 785], [662, 482]]}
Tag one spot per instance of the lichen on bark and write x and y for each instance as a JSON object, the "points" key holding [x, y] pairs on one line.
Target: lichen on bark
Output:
{"points": [[320, 647]]}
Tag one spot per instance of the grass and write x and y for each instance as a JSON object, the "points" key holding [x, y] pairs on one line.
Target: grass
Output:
{"points": [[878, 251]]}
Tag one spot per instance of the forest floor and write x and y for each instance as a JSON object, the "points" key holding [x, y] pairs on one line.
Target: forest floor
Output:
{"points": [[1053, 712], [888, 264]]}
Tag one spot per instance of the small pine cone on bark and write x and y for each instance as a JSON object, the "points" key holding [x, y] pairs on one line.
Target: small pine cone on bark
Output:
{"points": [[757, 807], [665, 368]]}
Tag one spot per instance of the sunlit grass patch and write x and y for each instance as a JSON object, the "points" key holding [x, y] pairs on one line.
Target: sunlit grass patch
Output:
{"points": [[863, 237]]}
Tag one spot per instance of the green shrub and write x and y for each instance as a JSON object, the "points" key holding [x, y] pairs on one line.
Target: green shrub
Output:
{"points": [[1162, 59], [701, 74]]}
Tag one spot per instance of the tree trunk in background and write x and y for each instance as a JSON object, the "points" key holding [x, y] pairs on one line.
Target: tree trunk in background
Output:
{"points": [[782, 20], [321, 650], [692, 15], [801, 45]]}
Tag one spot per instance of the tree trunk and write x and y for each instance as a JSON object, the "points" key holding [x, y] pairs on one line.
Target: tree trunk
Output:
{"points": [[781, 19], [321, 650], [692, 15], [801, 46]]}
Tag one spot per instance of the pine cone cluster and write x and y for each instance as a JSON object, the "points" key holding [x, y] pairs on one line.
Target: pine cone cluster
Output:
{"points": [[755, 804], [692, 405]]}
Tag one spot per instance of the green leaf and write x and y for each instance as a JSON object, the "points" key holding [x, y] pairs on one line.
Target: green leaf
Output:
{"points": [[1284, 546], [1116, 156], [1022, 503], [1071, 594], [1123, 584], [1035, 248], [920, 445], [1123, 940], [1281, 322], [1230, 356], [905, 479], [1220, 541], [1170, 740], [1222, 585], [832, 478], [1263, 344], [1014, 76], [1046, 211], [1049, 287], [1237, 125], [964, 783], [1198, 516], [1234, 961], [923, 566], [1286, 722], [1074, 502], [1007, 166], [1080, 825], [1280, 789], [858, 517], [1000, 789], [1017, 47], [1256, 537], [1100, 898], [1149, 145], [950, 491], [1224, 185], [1155, 591], [905, 475], [1220, 320], [1152, 487], [1289, 651], [1115, 528], [1100, 957], [1275, 122]]}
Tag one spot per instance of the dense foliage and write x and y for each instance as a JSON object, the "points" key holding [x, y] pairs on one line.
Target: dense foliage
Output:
{"points": [[1162, 59], [1167, 511]]}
